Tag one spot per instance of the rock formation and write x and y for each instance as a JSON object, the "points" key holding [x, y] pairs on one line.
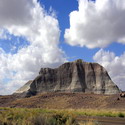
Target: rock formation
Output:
{"points": [[24, 88], [77, 76]]}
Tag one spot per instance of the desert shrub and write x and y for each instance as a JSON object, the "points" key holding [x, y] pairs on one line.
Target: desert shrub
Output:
{"points": [[40, 120], [53, 119], [62, 119], [121, 115]]}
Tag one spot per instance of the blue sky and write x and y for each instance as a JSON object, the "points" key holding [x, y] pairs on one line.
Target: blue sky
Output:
{"points": [[47, 33], [63, 9]]}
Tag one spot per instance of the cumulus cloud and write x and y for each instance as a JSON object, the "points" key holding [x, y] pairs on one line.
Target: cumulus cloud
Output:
{"points": [[97, 23], [115, 65], [9, 10], [27, 18]]}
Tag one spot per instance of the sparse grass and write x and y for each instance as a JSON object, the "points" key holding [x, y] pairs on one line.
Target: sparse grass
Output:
{"points": [[23, 116], [95, 112], [37, 116]]}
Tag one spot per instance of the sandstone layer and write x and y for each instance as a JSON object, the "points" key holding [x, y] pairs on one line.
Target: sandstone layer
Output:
{"points": [[24, 88]]}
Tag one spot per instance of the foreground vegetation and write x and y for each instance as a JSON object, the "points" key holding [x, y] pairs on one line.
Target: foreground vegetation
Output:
{"points": [[36, 116]]}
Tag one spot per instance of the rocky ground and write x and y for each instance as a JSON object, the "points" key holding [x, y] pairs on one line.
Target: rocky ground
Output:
{"points": [[65, 101]]}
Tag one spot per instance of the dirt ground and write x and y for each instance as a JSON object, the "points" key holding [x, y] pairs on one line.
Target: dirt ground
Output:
{"points": [[101, 120], [64, 101]]}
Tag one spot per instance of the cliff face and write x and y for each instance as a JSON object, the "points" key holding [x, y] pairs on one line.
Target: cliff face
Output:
{"points": [[77, 76]]}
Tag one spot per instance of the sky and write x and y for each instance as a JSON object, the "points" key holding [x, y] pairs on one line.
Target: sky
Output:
{"points": [[36, 34]]}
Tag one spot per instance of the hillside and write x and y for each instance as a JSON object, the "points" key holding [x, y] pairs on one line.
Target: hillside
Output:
{"points": [[65, 101]]}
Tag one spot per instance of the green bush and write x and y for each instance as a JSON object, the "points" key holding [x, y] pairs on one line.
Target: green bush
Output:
{"points": [[121, 115]]}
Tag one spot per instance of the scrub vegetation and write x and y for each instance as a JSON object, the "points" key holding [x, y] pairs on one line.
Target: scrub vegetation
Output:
{"points": [[37, 116]]}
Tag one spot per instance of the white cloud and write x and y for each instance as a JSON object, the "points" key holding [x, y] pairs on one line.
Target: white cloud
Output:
{"points": [[10, 10], [115, 65], [97, 24], [26, 18]]}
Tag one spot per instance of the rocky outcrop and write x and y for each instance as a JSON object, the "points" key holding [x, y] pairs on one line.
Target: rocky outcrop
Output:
{"points": [[24, 88], [77, 76]]}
